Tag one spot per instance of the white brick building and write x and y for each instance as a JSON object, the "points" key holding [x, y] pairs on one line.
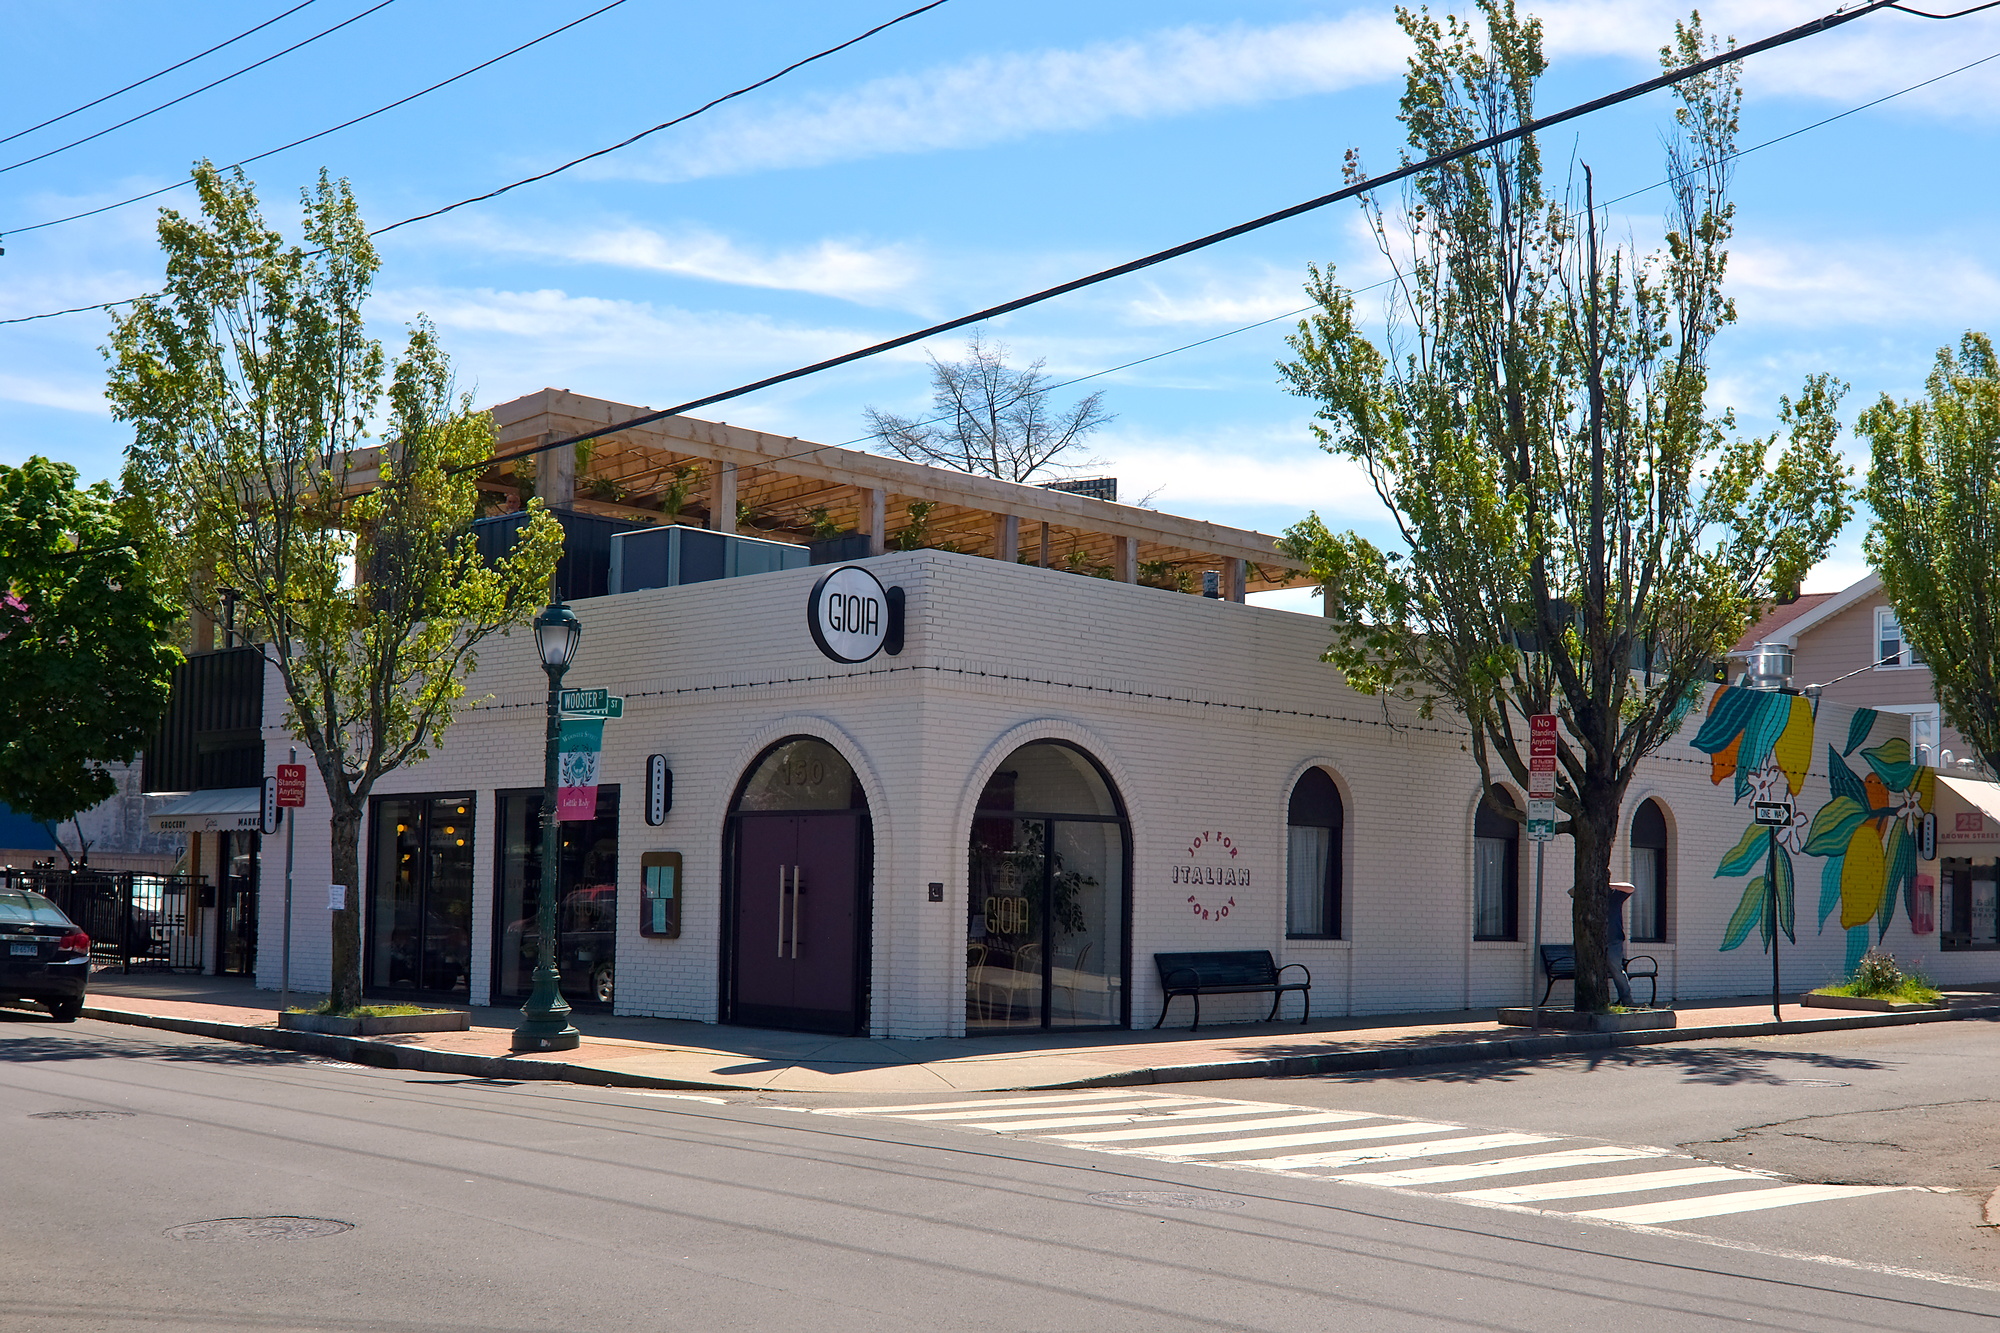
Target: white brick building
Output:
{"points": [[1201, 714]]}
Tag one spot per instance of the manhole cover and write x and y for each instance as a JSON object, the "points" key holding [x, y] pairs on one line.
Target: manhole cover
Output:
{"points": [[79, 1115], [1164, 1199], [260, 1228]]}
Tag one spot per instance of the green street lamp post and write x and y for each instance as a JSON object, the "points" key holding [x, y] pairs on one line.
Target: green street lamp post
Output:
{"points": [[545, 1017]]}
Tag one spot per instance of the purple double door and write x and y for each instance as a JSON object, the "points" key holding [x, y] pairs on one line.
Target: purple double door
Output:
{"points": [[798, 941]]}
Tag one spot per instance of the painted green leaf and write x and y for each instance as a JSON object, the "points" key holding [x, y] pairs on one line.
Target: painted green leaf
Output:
{"points": [[1858, 729], [1835, 824], [1843, 779], [1829, 886], [1760, 735], [1748, 851], [1891, 762], [1902, 858], [1725, 722], [1747, 914], [1781, 866]]}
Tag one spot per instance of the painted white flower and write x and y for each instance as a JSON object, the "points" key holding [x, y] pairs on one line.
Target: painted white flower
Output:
{"points": [[1792, 836], [1910, 808], [1770, 784]]}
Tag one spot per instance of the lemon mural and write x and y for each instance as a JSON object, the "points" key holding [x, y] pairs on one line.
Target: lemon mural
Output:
{"points": [[1867, 832]]}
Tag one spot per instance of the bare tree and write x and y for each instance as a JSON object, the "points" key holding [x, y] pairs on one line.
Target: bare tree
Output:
{"points": [[993, 420]]}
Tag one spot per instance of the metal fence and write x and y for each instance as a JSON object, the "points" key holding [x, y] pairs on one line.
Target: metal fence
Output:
{"points": [[133, 918]]}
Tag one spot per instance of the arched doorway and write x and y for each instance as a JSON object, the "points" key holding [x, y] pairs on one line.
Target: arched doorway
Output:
{"points": [[798, 849], [1046, 938]]}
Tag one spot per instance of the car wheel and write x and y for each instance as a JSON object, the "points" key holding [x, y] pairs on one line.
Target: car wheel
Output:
{"points": [[600, 984], [66, 1011]]}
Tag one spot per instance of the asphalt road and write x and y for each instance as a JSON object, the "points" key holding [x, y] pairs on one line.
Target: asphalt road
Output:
{"points": [[537, 1206]]}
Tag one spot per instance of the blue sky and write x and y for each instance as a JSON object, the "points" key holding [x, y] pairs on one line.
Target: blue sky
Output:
{"points": [[972, 154]]}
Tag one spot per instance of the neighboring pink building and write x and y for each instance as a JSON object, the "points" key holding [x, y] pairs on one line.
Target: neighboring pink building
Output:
{"points": [[1851, 643]]}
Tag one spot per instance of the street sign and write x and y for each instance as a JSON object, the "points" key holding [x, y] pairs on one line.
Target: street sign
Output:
{"points": [[591, 703], [1775, 813], [1542, 733], [1541, 819], [292, 785]]}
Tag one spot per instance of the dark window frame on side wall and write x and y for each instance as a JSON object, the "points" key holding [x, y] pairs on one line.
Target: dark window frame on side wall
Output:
{"points": [[1955, 876], [1315, 803], [1489, 824], [1649, 830]]}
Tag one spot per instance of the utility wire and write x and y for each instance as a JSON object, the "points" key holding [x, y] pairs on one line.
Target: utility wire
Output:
{"points": [[1810, 28], [666, 124], [747, 88], [271, 152], [383, 4], [150, 77]]}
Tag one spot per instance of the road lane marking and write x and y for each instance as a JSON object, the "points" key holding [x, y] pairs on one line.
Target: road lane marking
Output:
{"points": [[1635, 1183], [1218, 1147], [1180, 1131], [1395, 1152], [987, 1101], [1020, 1111], [1144, 1118], [1745, 1201], [1506, 1166]]}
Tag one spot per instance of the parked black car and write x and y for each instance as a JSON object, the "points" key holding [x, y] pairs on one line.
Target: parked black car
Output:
{"points": [[44, 955]]}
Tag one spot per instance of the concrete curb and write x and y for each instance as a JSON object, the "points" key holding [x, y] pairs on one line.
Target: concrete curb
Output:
{"points": [[382, 1055]]}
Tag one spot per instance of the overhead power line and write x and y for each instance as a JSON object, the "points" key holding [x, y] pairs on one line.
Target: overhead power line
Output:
{"points": [[1810, 28], [623, 143], [332, 129], [384, 4], [1376, 286], [158, 74]]}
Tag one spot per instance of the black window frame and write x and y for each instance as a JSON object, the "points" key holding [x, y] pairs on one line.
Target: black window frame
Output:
{"points": [[1330, 911], [1489, 823]]}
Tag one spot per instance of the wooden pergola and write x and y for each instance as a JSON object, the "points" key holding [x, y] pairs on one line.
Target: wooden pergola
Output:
{"points": [[714, 475]]}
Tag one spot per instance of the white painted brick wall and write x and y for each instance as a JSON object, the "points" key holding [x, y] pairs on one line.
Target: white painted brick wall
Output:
{"points": [[1203, 712]]}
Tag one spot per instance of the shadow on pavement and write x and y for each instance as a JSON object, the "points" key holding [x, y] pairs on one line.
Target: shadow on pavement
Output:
{"points": [[1722, 1067]]}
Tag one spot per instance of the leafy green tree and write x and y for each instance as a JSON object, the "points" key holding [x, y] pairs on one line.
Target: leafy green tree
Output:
{"points": [[1934, 483], [86, 641], [1580, 534], [251, 385]]}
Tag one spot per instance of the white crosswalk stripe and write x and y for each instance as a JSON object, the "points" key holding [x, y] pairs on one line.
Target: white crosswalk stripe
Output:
{"points": [[1218, 1131]]}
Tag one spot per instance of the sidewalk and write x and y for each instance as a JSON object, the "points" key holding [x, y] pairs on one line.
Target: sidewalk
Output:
{"points": [[665, 1053]]}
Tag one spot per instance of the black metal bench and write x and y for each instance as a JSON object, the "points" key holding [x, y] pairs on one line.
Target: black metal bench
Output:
{"points": [[1559, 964], [1234, 972]]}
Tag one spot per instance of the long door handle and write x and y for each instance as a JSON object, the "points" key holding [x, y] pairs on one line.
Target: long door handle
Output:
{"points": [[795, 910], [781, 911]]}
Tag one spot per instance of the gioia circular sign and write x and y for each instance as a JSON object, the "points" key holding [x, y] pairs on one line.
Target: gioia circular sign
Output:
{"points": [[849, 614]]}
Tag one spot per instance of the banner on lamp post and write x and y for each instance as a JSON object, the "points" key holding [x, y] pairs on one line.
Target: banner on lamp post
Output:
{"points": [[577, 749]]}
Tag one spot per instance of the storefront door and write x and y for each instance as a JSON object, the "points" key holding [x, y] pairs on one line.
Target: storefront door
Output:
{"points": [[237, 947], [586, 900], [420, 896], [798, 917], [797, 950]]}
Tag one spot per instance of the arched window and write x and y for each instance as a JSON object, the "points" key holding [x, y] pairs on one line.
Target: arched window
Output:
{"points": [[1649, 874], [1312, 866], [1496, 870], [1045, 916]]}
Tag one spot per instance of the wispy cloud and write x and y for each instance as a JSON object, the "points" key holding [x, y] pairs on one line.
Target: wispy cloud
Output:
{"points": [[1892, 281], [993, 99], [847, 270], [64, 393], [1277, 472]]}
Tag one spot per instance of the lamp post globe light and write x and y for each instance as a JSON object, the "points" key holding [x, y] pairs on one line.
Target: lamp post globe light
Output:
{"points": [[545, 1022]]}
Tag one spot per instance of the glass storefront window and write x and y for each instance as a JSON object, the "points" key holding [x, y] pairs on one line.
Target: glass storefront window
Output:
{"points": [[1045, 927], [586, 899], [420, 903]]}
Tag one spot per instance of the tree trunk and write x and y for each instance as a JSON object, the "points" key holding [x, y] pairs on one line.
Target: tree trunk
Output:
{"points": [[1594, 829], [346, 983]]}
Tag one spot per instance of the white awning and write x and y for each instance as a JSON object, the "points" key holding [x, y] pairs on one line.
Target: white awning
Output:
{"points": [[230, 809], [1968, 816]]}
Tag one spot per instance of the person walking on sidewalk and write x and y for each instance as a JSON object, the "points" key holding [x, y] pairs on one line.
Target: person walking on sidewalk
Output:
{"points": [[1614, 940]]}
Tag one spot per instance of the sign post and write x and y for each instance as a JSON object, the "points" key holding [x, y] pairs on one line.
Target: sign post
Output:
{"points": [[1774, 815], [291, 795], [1541, 828]]}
